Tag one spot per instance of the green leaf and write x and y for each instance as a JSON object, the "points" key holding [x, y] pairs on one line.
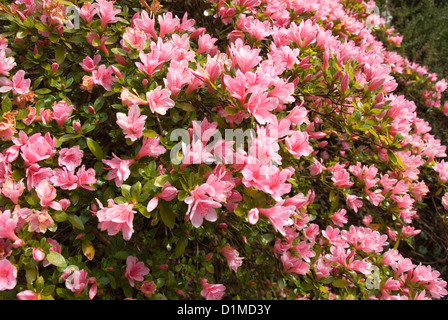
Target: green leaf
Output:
{"points": [[60, 54], [56, 259], [340, 283], [180, 247], [76, 221], [166, 214], [42, 91], [6, 104], [185, 106], [161, 180], [149, 133], [95, 148]]}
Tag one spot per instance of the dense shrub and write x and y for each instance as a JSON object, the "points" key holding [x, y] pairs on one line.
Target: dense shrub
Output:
{"points": [[144, 157]]}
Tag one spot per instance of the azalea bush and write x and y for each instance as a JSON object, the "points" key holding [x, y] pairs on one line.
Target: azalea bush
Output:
{"points": [[147, 157]]}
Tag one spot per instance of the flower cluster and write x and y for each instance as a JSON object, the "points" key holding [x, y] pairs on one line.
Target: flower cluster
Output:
{"points": [[149, 153]]}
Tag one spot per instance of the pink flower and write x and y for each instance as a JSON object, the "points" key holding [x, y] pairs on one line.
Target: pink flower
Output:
{"points": [[341, 178], [135, 270], [159, 100], [339, 217], [206, 44], [6, 63], [297, 144], [294, 264], [8, 224], [201, 206], [70, 157], [106, 12], [145, 23], [38, 148], [13, 189], [64, 179], [47, 193], [76, 281], [150, 147], [212, 291], [115, 218], [148, 288], [86, 178], [253, 216], [441, 85], [8, 275], [119, 169], [18, 85], [133, 124], [27, 295], [167, 193], [89, 64], [40, 221], [38, 254], [232, 256], [135, 38], [167, 23], [279, 216], [244, 56], [87, 11], [179, 74], [353, 202], [104, 76]]}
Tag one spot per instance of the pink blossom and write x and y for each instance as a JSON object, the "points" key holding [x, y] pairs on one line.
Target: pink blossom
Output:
{"points": [[244, 56], [119, 169], [159, 100], [341, 178], [201, 206], [145, 23], [88, 64], [76, 281], [232, 256], [35, 174], [70, 157], [27, 295], [133, 124], [104, 76], [167, 193], [86, 178], [106, 12], [135, 38], [87, 11], [206, 44], [47, 193], [339, 217], [64, 179], [8, 275], [294, 264], [13, 189], [212, 291], [135, 270], [297, 144], [40, 221], [8, 224], [38, 148], [151, 147], [167, 23], [353, 202], [6, 63], [18, 85], [115, 218], [279, 216], [253, 216], [38, 254], [179, 74]]}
